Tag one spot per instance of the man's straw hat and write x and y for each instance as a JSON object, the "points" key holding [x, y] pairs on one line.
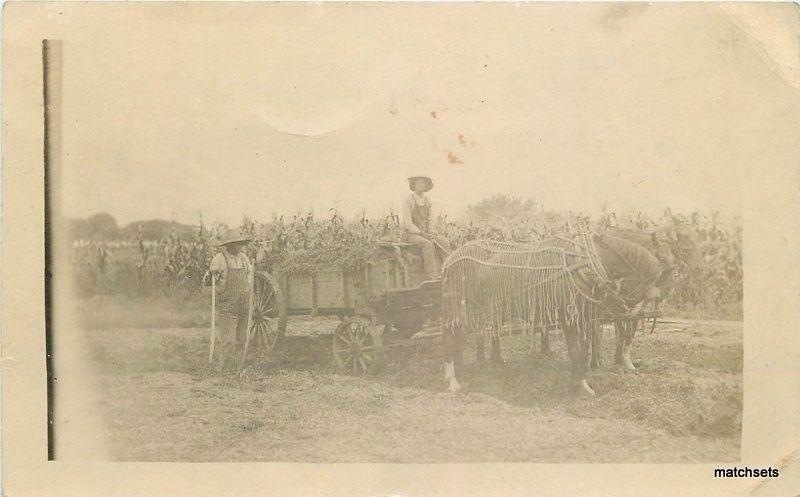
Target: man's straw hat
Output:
{"points": [[233, 236], [428, 182]]}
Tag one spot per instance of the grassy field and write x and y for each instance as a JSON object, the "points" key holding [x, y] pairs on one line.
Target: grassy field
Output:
{"points": [[160, 402]]}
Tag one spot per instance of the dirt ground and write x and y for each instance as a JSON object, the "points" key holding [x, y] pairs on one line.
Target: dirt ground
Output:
{"points": [[160, 402]]}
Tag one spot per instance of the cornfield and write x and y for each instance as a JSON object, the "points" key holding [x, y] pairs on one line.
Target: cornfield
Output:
{"points": [[305, 244]]}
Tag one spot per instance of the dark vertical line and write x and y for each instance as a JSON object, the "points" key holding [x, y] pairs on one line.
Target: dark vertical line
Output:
{"points": [[48, 268]]}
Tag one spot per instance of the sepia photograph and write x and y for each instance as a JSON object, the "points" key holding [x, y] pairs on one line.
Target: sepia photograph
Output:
{"points": [[410, 234]]}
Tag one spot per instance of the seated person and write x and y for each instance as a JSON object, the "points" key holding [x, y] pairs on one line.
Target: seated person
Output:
{"points": [[417, 222]]}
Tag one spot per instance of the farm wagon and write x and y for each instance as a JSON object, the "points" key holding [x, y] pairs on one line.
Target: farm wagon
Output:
{"points": [[380, 305]]}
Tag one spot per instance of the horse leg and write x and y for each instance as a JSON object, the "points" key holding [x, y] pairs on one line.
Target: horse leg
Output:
{"points": [[497, 355], [480, 354], [597, 338], [544, 346], [530, 333], [460, 341], [625, 331], [577, 357], [452, 351], [628, 345], [619, 332]]}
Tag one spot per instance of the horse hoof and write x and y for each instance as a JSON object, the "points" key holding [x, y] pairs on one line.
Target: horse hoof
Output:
{"points": [[628, 366], [587, 389], [454, 388]]}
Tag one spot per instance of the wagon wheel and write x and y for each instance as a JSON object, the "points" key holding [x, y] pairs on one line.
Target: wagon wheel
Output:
{"points": [[269, 312], [357, 346]]}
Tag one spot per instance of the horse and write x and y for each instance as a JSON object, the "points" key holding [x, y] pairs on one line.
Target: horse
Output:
{"points": [[560, 281], [672, 243]]}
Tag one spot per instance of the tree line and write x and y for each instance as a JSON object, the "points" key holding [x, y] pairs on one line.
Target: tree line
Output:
{"points": [[104, 226]]}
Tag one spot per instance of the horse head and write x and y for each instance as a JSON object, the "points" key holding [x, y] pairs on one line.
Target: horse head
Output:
{"points": [[655, 242], [681, 240]]}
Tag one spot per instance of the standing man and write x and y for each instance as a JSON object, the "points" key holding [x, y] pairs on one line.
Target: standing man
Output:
{"points": [[232, 270], [418, 223]]}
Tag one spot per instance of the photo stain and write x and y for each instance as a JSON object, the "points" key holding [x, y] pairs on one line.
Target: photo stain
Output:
{"points": [[453, 159]]}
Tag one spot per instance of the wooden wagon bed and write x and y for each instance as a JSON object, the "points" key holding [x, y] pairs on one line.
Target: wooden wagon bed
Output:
{"points": [[379, 304]]}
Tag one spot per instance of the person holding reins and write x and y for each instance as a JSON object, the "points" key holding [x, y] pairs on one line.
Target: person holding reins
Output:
{"points": [[417, 220], [231, 273]]}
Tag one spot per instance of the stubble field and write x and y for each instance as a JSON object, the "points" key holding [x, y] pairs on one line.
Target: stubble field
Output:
{"points": [[159, 401]]}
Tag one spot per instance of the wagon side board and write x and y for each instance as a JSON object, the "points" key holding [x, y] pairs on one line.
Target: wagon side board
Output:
{"points": [[385, 290], [320, 294], [326, 292]]}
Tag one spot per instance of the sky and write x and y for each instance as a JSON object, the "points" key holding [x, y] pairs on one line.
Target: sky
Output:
{"points": [[173, 111]]}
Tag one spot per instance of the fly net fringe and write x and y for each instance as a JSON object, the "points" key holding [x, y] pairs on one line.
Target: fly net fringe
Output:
{"points": [[564, 280], [488, 283]]}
